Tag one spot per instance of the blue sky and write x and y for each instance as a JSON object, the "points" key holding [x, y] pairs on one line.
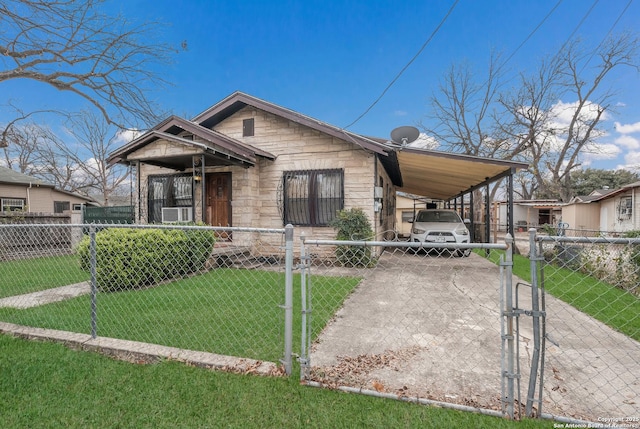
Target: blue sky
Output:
{"points": [[332, 59]]}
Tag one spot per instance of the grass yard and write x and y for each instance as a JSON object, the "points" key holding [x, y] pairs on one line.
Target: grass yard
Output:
{"points": [[32, 275], [612, 306], [227, 311], [45, 385]]}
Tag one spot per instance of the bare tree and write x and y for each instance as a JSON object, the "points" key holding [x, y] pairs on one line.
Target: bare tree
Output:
{"points": [[530, 123], [526, 120], [81, 166], [73, 46], [76, 164], [24, 154], [460, 111], [464, 118]]}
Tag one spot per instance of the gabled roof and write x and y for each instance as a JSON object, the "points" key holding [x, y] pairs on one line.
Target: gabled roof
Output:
{"points": [[619, 191], [12, 177], [239, 100], [211, 143]]}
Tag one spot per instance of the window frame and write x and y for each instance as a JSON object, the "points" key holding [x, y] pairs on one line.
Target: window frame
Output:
{"points": [[319, 210], [248, 127], [625, 208], [159, 198], [12, 207], [60, 207]]}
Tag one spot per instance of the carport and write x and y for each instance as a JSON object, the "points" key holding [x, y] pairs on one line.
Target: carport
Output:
{"points": [[452, 177]]}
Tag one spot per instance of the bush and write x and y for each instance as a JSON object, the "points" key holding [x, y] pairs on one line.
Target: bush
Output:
{"points": [[129, 258], [353, 225]]}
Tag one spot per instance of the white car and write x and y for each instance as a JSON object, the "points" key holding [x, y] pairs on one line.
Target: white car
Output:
{"points": [[440, 226]]}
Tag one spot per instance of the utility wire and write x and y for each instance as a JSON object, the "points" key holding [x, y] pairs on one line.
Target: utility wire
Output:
{"points": [[406, 66], [575, 30], [532, 33], [607, 35]]}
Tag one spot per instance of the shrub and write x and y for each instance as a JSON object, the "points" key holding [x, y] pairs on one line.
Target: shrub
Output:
{"points": [[353, 225], [131, 258]]}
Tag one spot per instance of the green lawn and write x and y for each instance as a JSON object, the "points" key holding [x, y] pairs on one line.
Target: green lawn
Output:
{"points": [[32, 275], [615, 307], [227, 311], [46, 385]]}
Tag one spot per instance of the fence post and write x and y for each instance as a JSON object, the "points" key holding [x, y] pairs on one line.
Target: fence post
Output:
{"points": [[94, 286], [288, 299], [508, 335], [535, 313], [304, 359]]}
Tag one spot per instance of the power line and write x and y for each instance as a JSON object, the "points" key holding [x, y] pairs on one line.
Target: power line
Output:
{"points": [[607, 35], [532, 33], [406, 66], [584, 18]]}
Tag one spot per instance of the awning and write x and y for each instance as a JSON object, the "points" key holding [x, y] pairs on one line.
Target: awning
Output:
{"points": [[443, 175]]}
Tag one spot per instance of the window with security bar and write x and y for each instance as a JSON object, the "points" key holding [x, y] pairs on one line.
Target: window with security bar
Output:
{"points": [[12, 204], [625, 208], [169, 191], [312, 197]]}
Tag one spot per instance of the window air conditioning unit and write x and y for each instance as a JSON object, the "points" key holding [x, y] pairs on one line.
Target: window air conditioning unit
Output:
{"points": [[176, 214]]}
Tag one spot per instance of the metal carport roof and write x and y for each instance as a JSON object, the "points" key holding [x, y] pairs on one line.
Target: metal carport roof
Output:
{"points": [[444, 175]]}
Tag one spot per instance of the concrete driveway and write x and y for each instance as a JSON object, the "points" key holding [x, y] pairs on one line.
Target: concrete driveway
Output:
{"points": [[429, 326]]}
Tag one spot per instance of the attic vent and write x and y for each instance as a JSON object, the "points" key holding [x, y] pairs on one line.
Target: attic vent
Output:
{"points": [[247, 127]]}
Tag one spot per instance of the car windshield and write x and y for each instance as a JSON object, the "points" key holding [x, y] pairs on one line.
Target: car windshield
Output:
{"points": [[437, 216]]}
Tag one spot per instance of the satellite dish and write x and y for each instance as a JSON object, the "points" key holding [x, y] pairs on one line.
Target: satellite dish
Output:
{"points": [[405, 135]]}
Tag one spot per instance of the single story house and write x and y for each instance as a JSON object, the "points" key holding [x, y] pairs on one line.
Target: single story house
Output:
{"points": [[250, 163], [528, 213], [20, 192], [605, 210]]}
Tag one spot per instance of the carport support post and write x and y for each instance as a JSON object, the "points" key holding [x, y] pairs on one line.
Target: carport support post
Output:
{"points": [[94, 286], [288, 298]]}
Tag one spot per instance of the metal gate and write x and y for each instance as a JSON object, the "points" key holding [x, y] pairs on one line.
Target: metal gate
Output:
{"points": [[407, 321]]}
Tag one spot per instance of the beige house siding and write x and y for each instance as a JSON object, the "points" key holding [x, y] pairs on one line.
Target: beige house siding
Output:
{"points": [[580, 216], [38, 199], [298, 147], [610, 217]]}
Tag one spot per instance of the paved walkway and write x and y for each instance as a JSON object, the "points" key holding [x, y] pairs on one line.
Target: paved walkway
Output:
{"points": [[46, 296]]}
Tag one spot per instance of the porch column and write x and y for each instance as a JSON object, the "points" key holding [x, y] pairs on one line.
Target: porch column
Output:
{"points": [[487, 213], [510, 203]]}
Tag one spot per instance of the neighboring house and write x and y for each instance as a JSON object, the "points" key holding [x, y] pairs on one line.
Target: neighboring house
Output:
{"points": [[529, 213], [582, 212], [249, 163], [406, 207], [19, 192], [609, 211]]}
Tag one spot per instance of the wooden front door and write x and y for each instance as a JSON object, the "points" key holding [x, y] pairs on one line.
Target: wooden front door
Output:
{"points": [[218, 199]]}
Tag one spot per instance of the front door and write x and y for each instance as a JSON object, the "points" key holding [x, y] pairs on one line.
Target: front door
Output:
{"points": [[219, 199]]}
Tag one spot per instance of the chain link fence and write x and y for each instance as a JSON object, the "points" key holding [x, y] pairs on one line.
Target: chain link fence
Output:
{"points": [[589, 326], [219, 290], [418, 321], [551, 332]]}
